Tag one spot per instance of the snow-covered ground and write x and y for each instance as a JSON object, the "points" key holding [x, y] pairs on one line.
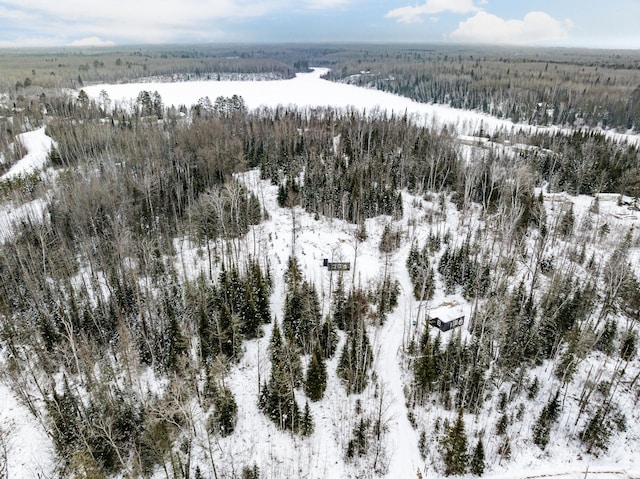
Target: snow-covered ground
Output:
{"points": [[28, 448], [38, 146], [278, 453]]}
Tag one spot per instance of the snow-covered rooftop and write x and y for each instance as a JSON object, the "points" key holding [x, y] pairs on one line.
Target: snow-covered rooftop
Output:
{"points": [[448, 311]]}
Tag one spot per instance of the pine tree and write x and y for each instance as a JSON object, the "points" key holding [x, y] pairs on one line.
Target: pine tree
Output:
{"points": [[225, 415], [277, 399], [565, 228], [250, 319], [502, 424], [262, 291], [339, 306], [355, 361], [250, 472], [316, 381], [359, 443], [302, 315], [597, 432], [542, 427], [455, 454], [425, 371], [629, 346], [477, 459], [226, 333], [328, 338], [306, 422]]}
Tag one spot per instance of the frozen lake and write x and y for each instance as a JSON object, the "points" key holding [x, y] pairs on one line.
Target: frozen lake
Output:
{"points": [[309, 90], [306, 90]]}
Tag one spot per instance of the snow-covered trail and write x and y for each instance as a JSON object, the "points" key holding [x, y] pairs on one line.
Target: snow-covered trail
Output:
{"points": [[29, 451], [402, 439], [38, 146]]}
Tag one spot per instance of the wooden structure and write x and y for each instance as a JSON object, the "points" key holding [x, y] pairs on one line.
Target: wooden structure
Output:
{"points": [[447, 316], [336, 266]]}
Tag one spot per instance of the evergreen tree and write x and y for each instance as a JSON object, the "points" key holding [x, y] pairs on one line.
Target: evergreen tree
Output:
{"points": [[63, 411], [606, 338], [502, 424], [425, 371], [542, 427], [226, 334], [597, 431], [328, 339], [262, 291], [477, 459], [420, 272], [250, 319], [629, 347], [359, 443], [386, 297], [306, 422], [225, 415], [565, 228], [339, 306], [316, 381], [302, 315], [355, 361], [455, 454], [250, 472], [277, 399]]}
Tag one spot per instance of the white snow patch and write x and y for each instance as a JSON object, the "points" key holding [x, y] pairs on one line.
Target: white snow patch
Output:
{"points": [[38, 146], [29, 449]]}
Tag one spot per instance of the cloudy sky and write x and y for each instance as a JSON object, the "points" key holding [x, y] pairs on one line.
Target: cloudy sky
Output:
{"points": [[589, 23]]}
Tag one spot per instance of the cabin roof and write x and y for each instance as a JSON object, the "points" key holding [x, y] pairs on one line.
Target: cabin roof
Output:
{"points": [[447, 312]]}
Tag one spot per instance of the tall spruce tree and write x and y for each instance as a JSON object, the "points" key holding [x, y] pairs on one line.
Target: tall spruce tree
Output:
{"points": [[425, 371], [542, 427], [454, 454], [277, 399], [477, 459], [316, 381]]}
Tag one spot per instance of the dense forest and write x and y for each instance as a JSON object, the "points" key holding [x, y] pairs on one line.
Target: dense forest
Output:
{"points": [[559, 87], [137, 290]]}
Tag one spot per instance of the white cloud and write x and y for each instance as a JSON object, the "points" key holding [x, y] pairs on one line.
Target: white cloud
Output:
{"points": [[325, 4], [151, 21], [430, 7], [535, 28], [91, 42], [28, 42]]}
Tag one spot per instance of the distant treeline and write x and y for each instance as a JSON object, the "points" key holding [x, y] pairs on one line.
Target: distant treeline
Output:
{"points": [[560, 87]]}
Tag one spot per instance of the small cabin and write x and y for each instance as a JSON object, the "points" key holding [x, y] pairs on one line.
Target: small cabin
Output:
{"points": [[446, 317], [336, 266]]}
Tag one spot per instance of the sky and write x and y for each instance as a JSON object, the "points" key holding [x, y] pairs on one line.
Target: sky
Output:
{"points": [[572, 23]]}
